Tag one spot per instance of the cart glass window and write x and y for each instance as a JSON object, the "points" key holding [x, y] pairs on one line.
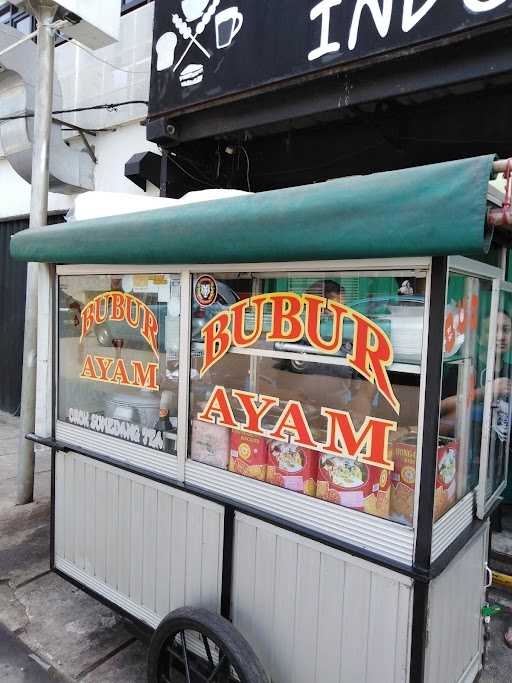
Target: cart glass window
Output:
{"points": [[466, 332], [310, 382], [499, 427], [118, 356]]}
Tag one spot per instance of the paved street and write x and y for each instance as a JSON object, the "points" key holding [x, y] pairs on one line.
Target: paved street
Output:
{"points": [[72, 636], [19, 664]]}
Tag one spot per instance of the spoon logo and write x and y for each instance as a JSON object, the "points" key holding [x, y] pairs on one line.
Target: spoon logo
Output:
{"points": [[187, 35]]}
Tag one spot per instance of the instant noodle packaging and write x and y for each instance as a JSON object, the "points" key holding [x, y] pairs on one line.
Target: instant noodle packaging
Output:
{"points": [[248, 455], [350, 483], [292, 467], [210, 444], [446, 478], [403, 480]]}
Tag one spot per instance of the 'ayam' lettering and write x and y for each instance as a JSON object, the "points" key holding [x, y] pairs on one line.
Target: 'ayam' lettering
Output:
{"points": [[116, 371], [368, 444]]}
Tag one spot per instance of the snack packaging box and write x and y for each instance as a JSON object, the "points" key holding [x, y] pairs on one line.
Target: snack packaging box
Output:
{"points": [[292, 467], [403, 481], [383, 495], [446, 478], [210, 444], [248, 455], [348, 482]]}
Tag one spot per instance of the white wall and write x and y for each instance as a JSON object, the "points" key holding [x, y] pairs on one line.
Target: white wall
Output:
{"points": [[112, 151], [86, 82], [15, 195]]}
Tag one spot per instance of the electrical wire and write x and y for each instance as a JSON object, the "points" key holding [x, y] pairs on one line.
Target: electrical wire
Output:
{"points": [[109, 107], [198, 168], [248, 167], [73, 127], [190, 175], [26, 38], [100, 59], [29, 36]]}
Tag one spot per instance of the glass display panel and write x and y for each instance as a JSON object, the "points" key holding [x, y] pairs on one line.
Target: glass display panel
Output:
{"points": [[118, 356], [466, 332], [499, 436], [310, 382]]}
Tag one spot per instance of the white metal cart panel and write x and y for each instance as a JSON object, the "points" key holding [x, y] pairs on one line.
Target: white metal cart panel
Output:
{"points": [[455, 625], [145, 546], [316, 615]]}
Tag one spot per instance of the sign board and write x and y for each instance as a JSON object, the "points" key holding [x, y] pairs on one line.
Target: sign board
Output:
{"points": [[208, 49]]}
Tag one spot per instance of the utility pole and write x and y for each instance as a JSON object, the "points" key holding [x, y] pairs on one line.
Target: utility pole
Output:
{"points": [[44, 11]]}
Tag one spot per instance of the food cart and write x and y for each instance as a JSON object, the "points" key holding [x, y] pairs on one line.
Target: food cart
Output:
{"points": [[279, 423]]}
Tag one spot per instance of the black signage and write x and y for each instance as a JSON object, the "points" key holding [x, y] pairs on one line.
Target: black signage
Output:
{"points": [[207, 49]]}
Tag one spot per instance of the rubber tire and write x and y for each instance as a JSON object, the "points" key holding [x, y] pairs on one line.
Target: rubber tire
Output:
{"points": [[298, 366], [212, 625]]}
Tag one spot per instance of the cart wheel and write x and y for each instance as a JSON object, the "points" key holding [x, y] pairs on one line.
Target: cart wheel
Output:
{"points": [[193, 645], [298, 366]]}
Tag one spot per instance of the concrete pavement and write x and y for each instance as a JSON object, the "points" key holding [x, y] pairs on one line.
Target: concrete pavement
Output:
{"points": [[18, 663], [50, 630]]}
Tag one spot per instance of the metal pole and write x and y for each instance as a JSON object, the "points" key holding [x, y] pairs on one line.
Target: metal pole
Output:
{"points": [[44, 10], [500, 166], [500, 218]]}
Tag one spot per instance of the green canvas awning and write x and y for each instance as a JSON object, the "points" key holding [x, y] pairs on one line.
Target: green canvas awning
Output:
{"points": [[429, 210]]}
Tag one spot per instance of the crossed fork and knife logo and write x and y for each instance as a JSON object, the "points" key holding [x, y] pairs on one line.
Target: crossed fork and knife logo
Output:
{"points": [[228, 23]]}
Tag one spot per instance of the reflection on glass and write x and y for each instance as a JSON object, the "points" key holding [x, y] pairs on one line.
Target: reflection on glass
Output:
{"points": [[302, 391], [499, 441], [466, 334], [118, 356]]}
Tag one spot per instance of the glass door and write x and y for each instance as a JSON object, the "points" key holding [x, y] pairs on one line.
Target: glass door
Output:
{"points": [[497, 403]]}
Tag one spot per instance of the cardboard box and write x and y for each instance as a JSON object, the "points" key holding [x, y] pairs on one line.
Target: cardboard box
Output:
{"points": [[292, 467], [383, 495], [348, 482], [403, 481], [210, 444], [248, 455], [446, 478]]}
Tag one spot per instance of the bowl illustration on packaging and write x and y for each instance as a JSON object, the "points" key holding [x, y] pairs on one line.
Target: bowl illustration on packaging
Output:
{"points": [[288, 456], [292, 467], [344, 473]]}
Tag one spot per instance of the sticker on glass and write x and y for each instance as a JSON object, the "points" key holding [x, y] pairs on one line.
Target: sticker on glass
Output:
{"points": [[205, 291]]}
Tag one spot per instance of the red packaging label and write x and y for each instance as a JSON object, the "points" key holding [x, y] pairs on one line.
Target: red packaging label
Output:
{"points": [[348, 482], [403, 482], [292, 467], [248, 455], [383, 496], [446, 478]]}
